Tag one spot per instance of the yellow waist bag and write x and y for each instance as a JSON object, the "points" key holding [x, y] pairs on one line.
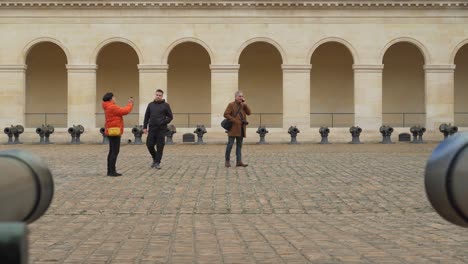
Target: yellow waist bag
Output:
{"points": [[113, 131]]}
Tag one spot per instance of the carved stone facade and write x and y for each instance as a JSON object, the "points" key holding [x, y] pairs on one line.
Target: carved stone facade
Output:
{"points": [[303, 63]]}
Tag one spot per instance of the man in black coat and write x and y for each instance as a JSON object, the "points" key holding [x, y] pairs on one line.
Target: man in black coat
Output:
{"points": [[158, 114]]}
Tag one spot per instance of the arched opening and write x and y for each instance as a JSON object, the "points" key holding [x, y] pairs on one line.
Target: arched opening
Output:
{"points": [[189, 85], [332, 86], [117, 72], [403, 103], [46, 86], [261, 80], [461, 87]]}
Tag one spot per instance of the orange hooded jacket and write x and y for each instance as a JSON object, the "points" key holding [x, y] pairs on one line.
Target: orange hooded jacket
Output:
{"points": [[114, 115]]}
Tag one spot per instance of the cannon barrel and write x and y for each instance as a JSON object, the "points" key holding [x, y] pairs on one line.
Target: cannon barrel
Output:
{"points": [[325, 130], [445, 179], [8, 130], [26, 187], [40, 130], [102, 130], [77, 130], [50, 129], [136, 130]]}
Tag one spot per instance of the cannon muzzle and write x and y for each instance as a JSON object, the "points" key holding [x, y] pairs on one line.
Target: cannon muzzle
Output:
{"points": [[40, 130], [26, 187], [446, 179]]}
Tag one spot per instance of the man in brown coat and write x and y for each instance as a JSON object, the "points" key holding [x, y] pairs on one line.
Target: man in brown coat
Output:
{"points": [[236, 112]]}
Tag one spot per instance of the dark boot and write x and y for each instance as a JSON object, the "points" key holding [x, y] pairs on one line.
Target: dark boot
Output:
{"points": [[240, 164], [227, 164], [114, 174]]}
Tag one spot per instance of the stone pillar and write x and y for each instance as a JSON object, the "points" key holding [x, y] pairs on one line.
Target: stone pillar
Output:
{"points": [[152, 77], [224, 84], [368, 96], [12, 95], [82, 95], [439, 80], [296, 96]]}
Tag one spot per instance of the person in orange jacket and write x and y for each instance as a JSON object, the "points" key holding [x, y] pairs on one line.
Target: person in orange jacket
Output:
{"points": [[114, 118]]}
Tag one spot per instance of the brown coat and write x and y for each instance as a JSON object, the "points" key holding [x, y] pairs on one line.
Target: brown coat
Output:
{"points": [[230, 113]]}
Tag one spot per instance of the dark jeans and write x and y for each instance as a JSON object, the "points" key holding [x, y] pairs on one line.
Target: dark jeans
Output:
{"points": [[114, 148], [156, 137], [238, 148]]}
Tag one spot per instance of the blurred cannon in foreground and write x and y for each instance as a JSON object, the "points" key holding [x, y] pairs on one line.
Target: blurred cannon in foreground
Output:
{"points": [[75, 132], [446, 179], [44, 133], [13, 131], [26, 191], [262, 131], [293, 131], [137, 131]]}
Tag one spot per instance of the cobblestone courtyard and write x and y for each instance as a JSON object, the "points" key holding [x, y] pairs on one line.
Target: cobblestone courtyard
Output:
{"points": [[307, 203]]}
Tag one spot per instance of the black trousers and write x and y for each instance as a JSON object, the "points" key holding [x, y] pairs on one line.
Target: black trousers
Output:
{"points": [[114, 149], [156, 137]]}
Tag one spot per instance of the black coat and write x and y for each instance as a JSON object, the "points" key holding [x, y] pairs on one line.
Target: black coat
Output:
{"points": [[157, 115]]}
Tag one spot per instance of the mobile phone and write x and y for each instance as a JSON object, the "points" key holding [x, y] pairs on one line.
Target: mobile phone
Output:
{"points": [[243, 100]]}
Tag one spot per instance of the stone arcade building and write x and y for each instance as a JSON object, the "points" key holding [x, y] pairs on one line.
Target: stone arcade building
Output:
{"points": [[306, 63]]}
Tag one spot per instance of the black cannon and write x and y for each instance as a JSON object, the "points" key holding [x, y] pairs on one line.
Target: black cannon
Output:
{"points": [[445, 179], [355, 133], [324, 131], [14, 131], [171, 130], [293, 131], [386, 132], [44, 133], [26, 191], [448, 129], [105, 138], [137, 131], [262, 131], [417, 132], [75, 132], [200, 130]]}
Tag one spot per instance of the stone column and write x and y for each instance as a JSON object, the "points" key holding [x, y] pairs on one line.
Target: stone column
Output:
{"points": [[224, 84], [439, 81], [82, 95], [296, 96], [152, 77], [368, 96], [12, 95]]}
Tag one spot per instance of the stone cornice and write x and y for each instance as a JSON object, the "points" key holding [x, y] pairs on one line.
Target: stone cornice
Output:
{"points": [[13, 68], [445, 68], [296, 68], [224, 68], [82, 68], [194, 4], [149, 68], [377, 68]]}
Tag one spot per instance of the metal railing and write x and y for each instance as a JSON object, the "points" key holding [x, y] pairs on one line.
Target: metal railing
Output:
{"points": [[331, 119], [188, 120], [33, 120], [461, 119], [404, 119], [270, 120], [130, 120]]}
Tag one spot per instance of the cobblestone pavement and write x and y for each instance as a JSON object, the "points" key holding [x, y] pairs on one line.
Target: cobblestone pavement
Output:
{"points": [[307, 203]]}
